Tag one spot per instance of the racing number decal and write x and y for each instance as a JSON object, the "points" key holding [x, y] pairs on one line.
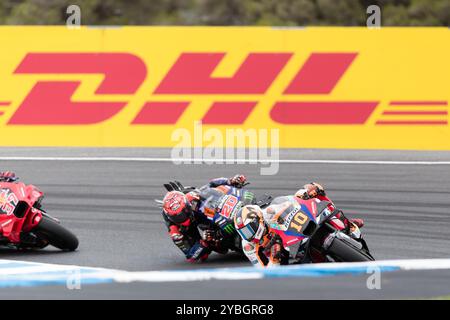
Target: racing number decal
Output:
{"points": [[228, 206], [298, 221], [8, 202]]}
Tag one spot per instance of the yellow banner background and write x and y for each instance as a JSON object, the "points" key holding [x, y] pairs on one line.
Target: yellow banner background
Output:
{"points": [[392, 64]]}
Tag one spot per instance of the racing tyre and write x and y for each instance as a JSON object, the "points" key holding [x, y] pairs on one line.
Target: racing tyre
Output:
{"points": [[344, 251], [56, 235]]}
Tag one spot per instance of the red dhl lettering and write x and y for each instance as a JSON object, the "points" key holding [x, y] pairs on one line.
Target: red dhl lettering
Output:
{"points": [[191, 74], [50, 102]]}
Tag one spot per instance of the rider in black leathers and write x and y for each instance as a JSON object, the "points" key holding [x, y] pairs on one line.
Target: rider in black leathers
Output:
{"points": [[184, 215]]}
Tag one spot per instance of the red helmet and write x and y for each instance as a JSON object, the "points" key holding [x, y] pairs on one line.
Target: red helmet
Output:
{"points": [[177, 208], [8, 176]]}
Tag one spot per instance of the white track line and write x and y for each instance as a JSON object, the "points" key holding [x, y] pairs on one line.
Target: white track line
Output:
{"points": [[225, 161], [40, 273], [183, 276], [252, 273]]}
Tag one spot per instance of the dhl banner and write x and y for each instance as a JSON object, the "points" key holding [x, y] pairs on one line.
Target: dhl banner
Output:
{"points": [[325, 87]]}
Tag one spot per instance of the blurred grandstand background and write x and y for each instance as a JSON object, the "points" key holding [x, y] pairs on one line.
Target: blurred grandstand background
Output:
{"points": [[227, 12]]}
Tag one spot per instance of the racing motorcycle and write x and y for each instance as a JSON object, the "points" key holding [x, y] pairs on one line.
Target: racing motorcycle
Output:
{"points": [[23, 222], [314, 231], [220, 205]]}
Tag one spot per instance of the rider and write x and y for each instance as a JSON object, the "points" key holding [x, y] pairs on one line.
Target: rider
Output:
{"points": [[183, 213], [261, 245]]}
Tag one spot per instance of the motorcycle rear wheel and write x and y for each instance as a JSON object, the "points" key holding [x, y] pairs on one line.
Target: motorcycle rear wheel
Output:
{"points": [[56, 235]]}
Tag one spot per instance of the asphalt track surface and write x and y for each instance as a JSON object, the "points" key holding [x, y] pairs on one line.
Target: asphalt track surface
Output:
{"points": [[110, 206]]}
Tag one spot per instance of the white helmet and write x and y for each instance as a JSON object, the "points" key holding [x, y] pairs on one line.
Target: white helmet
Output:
{"points": [[249, 223]]}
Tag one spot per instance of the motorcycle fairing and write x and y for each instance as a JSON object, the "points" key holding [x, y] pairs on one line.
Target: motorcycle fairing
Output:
{"points": [[11, 222]]}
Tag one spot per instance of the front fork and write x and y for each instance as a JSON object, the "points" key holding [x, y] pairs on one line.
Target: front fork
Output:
{"points": [[33, 219], [352, 234], [333, 229]]}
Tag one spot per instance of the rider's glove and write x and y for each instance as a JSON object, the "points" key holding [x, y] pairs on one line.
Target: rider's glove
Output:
{"points": [[208, 235], [311, 190], [318, 189], [178, 240], [238, 181], [177, 237], [175, 234], [302, 194]]}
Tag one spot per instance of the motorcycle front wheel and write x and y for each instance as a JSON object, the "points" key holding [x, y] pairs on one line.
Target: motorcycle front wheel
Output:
{"points": [[56, 235]]}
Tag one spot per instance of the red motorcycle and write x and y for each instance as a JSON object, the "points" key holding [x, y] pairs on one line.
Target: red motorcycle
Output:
{"points": [[23, 222], [316, 231]]}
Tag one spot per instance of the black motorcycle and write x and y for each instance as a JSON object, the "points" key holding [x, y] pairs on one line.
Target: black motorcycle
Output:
{"points": [[219, 205]]}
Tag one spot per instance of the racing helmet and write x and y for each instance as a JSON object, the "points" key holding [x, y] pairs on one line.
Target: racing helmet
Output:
{"points": [[249, 223], [177, 208]]}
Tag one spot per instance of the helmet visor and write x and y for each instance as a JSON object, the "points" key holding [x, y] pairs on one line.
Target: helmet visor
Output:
{"points": [[179, 218], [248, 231]]}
